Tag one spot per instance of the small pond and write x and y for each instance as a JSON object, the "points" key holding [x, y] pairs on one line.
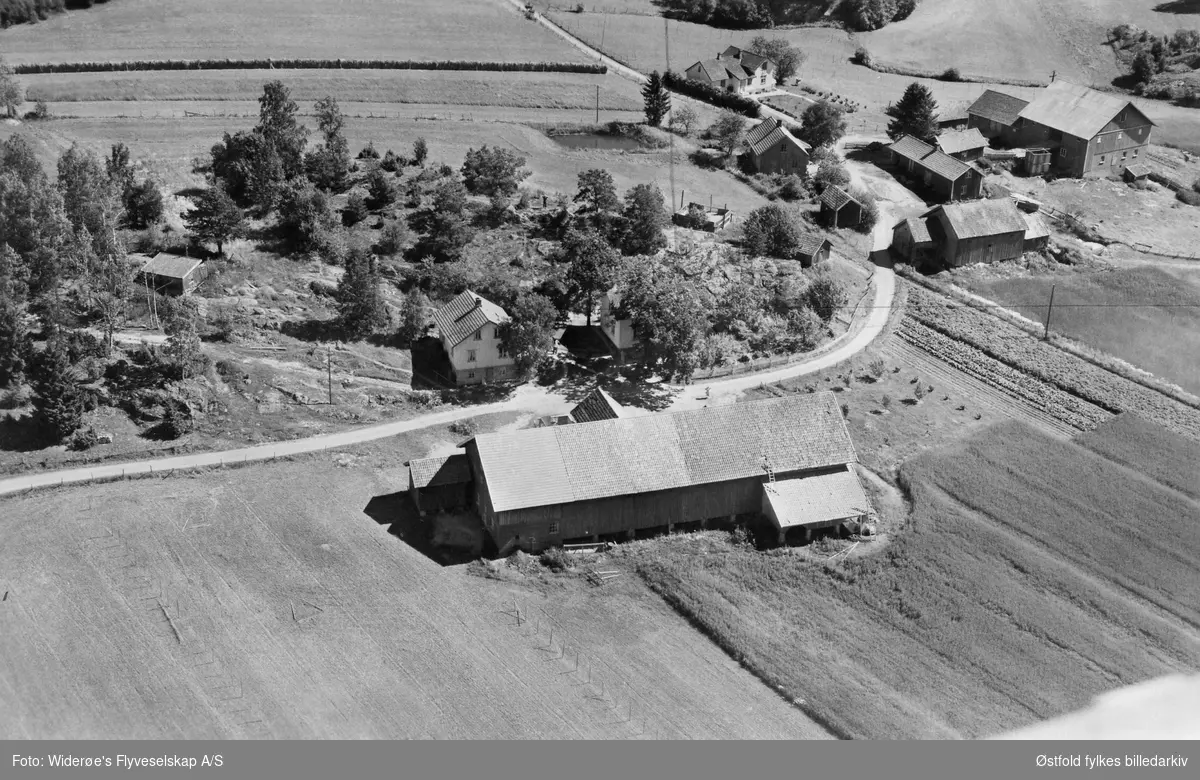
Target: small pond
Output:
{"points": [[596, 141]]}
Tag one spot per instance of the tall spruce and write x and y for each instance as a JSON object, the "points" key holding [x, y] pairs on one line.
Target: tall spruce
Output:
{"points": [[15, 343], [915, 114], [361, 308], [57, 398], [657, 100]]}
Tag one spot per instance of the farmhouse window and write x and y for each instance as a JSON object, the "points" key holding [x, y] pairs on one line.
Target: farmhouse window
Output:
{"points": [[553, 528], [471, 355], [1102, 159], [470, 375], [1118, 136], [783, 148], [1135, 151], [479, 334]]}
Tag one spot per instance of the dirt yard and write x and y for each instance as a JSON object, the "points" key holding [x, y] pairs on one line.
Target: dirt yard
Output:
{"points": [[272, 601]]}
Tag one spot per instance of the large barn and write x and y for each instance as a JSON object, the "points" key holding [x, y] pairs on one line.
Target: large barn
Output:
{"points": [[541, 487]]}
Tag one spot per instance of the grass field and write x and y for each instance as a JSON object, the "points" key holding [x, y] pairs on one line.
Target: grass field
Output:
{"points": [[1145, 316], [1159, 454], [271, 602], [526, 90], [1033, 575], [167, 146], [177, 29]]}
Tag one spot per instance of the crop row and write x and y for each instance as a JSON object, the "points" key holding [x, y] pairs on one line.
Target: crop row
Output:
{"points": [[304, 64], [1053, 401], [1012, 346]]}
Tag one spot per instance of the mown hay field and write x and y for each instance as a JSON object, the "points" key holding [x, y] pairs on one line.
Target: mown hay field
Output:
{"points": [[273, 602], [1033, 574], [1147, 316], [526, 90], [215, 29]]}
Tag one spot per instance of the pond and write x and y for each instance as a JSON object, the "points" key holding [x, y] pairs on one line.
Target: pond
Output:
{"points": [[596, 141]]}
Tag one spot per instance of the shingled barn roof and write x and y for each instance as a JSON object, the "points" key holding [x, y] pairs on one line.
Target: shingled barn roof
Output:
{"points": [[442, 470], [997, 107]]}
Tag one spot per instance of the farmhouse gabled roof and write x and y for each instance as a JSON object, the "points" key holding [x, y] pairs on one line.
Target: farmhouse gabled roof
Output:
{"points": [[979, 218], [817, 499], [171, 266], [1076, 110], [835, 197], [997, 107], [466, 314], [763, 136], [452, 469], [748, 59], [720, 70], [563, 464], [811, 243], [955, 141], [597, 405]]}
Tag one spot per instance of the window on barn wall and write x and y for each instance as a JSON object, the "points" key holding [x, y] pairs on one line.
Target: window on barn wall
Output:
{"points": [[554, 528]]}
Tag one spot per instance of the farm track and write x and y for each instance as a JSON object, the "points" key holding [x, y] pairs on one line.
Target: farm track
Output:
{"points": [[987, 396]]}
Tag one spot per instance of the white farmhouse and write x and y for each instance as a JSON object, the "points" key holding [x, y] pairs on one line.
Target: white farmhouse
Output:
{"points": [[469, 328], [618, 332]]}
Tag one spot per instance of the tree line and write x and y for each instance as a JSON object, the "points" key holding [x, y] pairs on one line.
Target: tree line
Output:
{"points": [[26, 11]]}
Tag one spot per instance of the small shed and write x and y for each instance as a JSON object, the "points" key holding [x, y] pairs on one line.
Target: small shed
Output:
{"points": [[812, 249], [839, 209], [820, 501], [1136, 172], [1037, 233], [440, 483], [173, 274], [911, 240]]}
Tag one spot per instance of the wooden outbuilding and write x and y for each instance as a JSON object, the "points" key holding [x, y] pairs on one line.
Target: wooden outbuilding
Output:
{"points": [[440, 483], [802, 505], [813, 249], [948, 178], [982, 231], [699, 217], [839, 209], [911, 241], [1037, 232], [173, 274], [1136, 172], [543, 487], [966, 144]]}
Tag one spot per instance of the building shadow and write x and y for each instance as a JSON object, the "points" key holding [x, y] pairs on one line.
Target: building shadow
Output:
{"points": [[1179, 7], [430, 366], [21, 433], [398, 512]]}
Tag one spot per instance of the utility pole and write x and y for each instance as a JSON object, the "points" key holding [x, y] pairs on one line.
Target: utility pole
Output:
{"points": [[597, 104], [329, 372], [1049, 309]]}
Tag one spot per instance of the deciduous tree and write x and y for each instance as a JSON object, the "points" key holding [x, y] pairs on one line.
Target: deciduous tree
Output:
{"points": [[771, 231], [180, 318], [12, 94], [591, 264], [666, 316], [684, 119], [645, 217], [822, 124], [787, 58], [493, 171], [825, 295], [528, 336], [445, 225], [215, 218], [329, 164], [278, 126], [728, 131]]}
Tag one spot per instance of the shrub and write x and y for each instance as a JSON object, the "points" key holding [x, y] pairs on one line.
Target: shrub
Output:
{"points": [[368, 152], [392, 162], [467, 427], [950, 74], [886, 401], [83, 439], [394, 237], [556, 559], [730, 100], [356, 210], [862, 56], [793, 188], [1190, 197], [876, 368]]}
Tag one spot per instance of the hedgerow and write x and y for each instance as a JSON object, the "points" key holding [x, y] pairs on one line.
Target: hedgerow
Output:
{"points": [[308, 64], [734, 102]]}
